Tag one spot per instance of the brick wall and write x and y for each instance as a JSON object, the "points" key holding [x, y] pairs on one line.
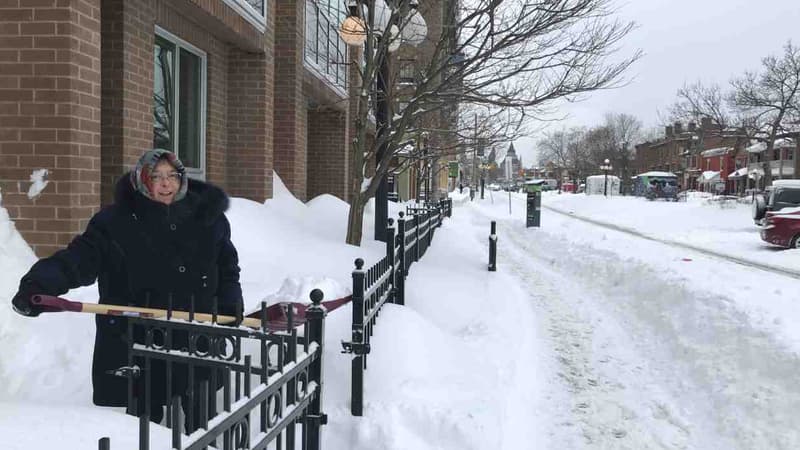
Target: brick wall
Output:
{"points": [[250, 164], [127, 119], [290, 115], [50, 116], [327, 162]]}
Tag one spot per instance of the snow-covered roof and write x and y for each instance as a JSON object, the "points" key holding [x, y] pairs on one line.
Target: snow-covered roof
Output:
{"points": [[759, 147], [601, 177], [738, 173], [786, 183], [719, 151], [657, 174], [708, 176], [787, 171]]}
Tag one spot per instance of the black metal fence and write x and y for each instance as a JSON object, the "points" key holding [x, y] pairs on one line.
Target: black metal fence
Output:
{"points": [[384, 282], [205, 361], [224, 393]]}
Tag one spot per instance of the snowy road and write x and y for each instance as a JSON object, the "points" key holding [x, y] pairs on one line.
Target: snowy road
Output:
{"points": [[706, 251], [641, 358]]}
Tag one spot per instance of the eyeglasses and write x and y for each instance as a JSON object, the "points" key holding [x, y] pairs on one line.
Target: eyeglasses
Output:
{"points": [[174, 177]]}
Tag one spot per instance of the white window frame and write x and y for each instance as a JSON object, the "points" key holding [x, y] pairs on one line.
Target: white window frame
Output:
{"points": [[250, 14], [193, 172], [312, 66]]}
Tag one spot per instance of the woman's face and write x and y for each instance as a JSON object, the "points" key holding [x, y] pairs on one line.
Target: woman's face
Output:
{"points": [[165, 182]]}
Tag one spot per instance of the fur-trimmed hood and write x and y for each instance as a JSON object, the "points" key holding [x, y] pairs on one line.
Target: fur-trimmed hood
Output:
{"points": [[204, 201]]}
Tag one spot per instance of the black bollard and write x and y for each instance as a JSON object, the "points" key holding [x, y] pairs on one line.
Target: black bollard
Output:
{"points": [[493, 248]]}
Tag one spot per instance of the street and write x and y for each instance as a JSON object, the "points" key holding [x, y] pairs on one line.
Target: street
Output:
{"points": [[639, 356]]}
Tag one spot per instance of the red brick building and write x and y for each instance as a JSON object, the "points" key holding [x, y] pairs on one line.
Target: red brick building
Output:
{"points": [[238, 88], [681, 151]]}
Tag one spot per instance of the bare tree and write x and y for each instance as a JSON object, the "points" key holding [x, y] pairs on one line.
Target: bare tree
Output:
{"points": [[514, 56], [697, 101], [623, 131], [567, 150], [767, 100]]}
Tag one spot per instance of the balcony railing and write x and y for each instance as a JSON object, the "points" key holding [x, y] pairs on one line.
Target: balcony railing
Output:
{"points": [[254, 11], [325, 52]]}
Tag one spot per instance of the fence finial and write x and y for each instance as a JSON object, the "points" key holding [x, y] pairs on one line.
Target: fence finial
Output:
{"points": [[316, 296], [401, 214], [390, 222], [359, 263]]}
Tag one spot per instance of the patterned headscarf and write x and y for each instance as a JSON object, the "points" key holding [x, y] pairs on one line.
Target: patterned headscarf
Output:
{"points": [[140, 176]]}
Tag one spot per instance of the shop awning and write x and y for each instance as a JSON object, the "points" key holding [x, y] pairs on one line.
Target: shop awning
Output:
{"points": [[741, 173], [708, 176]]}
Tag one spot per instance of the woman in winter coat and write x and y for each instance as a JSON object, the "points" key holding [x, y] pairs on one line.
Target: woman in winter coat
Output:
{"points": [[164, 235]]}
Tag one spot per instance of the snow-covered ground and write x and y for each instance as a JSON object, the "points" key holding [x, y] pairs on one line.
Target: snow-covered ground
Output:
{"points": [[585, 337]]}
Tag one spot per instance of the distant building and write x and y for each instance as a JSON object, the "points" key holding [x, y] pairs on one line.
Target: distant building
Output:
{"points": [[511, 164], [693, 153]]}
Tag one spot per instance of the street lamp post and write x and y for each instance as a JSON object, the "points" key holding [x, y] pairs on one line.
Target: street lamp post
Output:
{"points": [[354, 31], [606, 167]]}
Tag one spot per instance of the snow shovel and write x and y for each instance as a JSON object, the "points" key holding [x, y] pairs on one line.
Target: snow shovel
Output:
{"points": [[277, 314]]}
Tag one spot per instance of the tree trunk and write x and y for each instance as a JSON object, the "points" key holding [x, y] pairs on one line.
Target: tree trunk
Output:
{"points": [[434, 177], [355, 220]]}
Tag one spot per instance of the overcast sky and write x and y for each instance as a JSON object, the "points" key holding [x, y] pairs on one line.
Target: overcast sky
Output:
{"points": [[683, 41]]}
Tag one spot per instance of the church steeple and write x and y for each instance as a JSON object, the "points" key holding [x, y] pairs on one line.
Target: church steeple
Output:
{"points": [[511, 153]]}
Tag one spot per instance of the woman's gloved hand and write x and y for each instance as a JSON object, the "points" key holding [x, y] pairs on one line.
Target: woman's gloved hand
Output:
{"points": [[22, 300]]}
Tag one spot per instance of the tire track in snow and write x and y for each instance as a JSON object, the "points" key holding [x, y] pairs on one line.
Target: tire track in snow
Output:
{"points": [[607, 409], [742, 261], [733, 384]]}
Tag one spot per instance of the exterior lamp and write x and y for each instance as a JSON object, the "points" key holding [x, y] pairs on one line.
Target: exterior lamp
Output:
{"points": [[354, 31]]}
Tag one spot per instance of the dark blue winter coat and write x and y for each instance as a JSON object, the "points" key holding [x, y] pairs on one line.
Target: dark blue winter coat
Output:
{"points": [[140, 251]]}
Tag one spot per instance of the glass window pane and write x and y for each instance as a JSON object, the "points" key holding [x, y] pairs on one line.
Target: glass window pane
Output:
{"points": [[190, 108], [258, 5], [311, 31], [163, 95]]}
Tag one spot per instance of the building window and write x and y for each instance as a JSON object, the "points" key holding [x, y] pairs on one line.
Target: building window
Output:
{"points": [[254, 11], [790, 154], [407, 75], [325, 52], [179, 100]]}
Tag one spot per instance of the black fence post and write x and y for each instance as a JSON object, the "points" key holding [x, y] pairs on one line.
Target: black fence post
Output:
{"points": [[315, 315], [390, 243], [416, 232], [176, 422], [104, 444], [493, 248], [429, 215], [400, 276], [357, 365]]}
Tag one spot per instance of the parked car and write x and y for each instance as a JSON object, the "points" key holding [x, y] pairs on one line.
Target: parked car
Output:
{"points": [[782, 194], [782, 228], [666, 189]]}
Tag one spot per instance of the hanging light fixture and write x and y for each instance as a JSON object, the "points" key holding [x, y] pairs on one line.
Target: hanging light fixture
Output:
{"points": [[353, 31]]}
